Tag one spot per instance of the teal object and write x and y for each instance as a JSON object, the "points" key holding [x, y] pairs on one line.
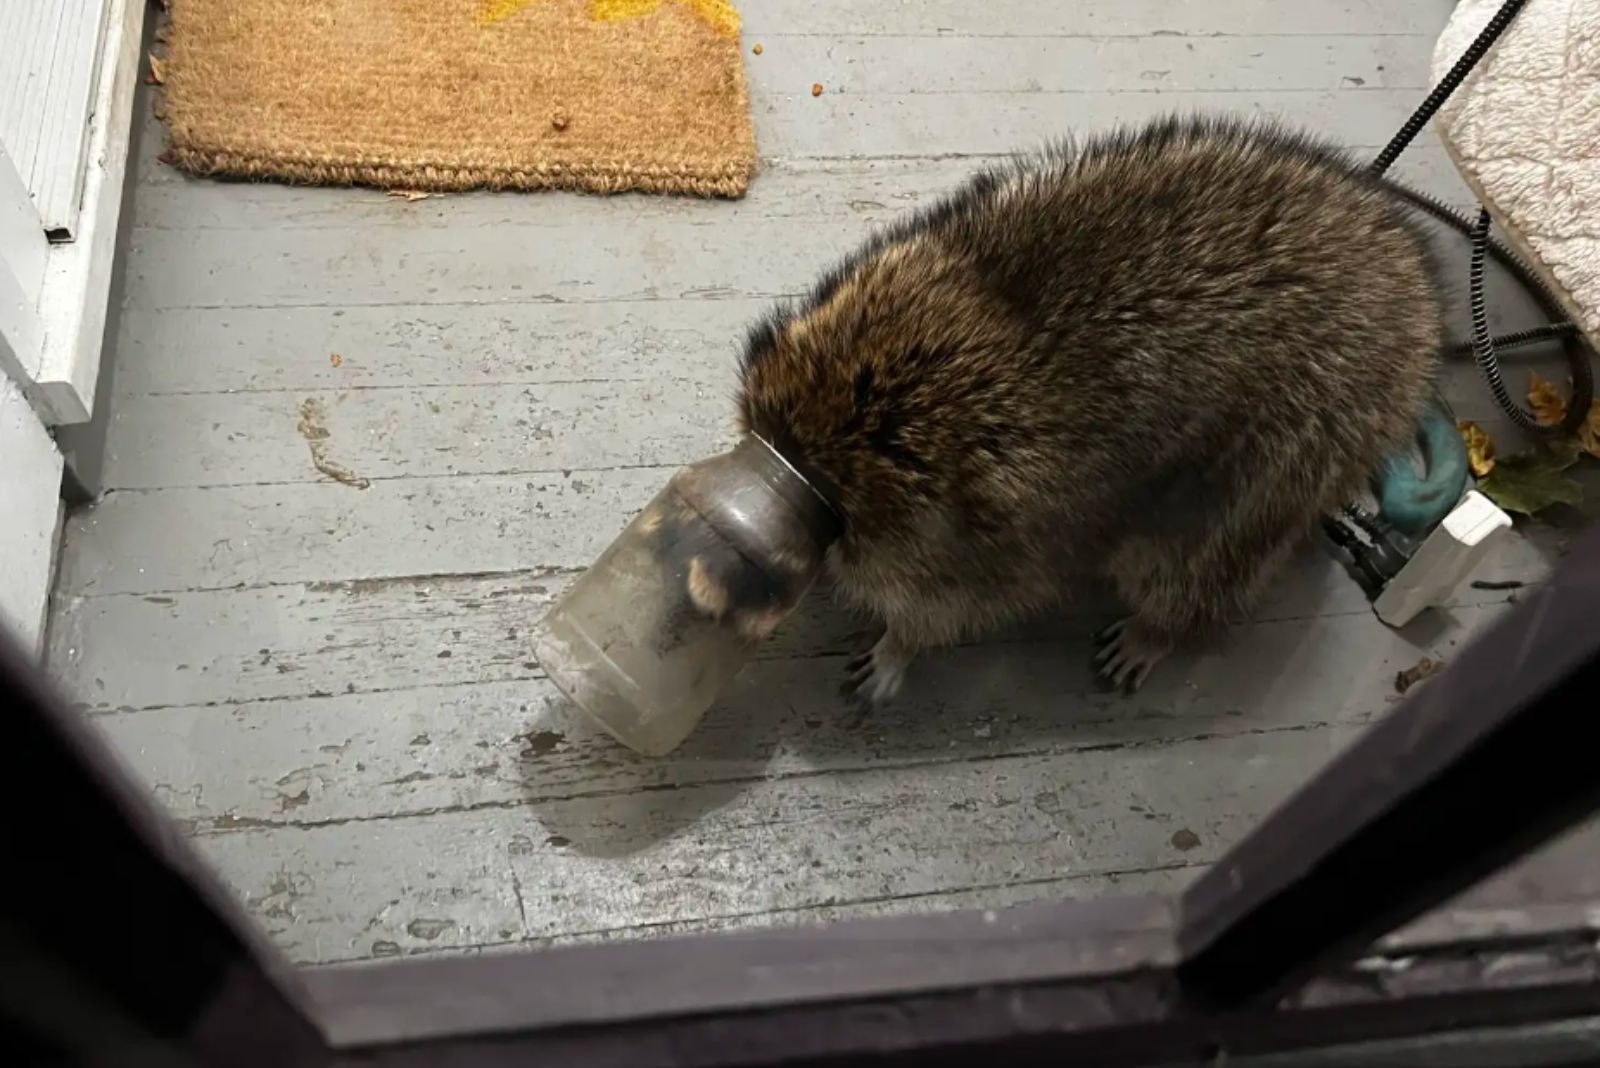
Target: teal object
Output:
{"points": [[1414, 504]]}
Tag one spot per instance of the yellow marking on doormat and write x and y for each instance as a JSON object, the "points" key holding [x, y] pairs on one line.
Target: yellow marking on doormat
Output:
{"points": [[721, 14], [496, 10]]}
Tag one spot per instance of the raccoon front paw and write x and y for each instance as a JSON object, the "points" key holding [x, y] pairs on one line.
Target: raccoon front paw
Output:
{"points": [[874, 678], [1126, 654]]}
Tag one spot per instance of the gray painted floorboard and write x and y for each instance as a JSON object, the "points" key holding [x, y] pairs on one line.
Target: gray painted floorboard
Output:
{"points": [[331, 687]]}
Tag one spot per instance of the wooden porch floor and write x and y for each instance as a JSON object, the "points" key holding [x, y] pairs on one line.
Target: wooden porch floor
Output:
{"points": [[328, 679]]}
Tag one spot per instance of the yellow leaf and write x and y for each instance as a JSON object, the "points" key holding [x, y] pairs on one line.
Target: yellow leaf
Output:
{"points": [[1548, 405], [1589, 432], [721, 14], [1550, 408], [1480, 447]]}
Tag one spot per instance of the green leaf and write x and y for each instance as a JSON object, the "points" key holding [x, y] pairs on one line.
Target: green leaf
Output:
{"points": [[1532, 481]]}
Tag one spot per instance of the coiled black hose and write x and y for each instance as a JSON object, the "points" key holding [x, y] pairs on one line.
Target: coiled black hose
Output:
{"points": [[1534, 335], [1447, 85], [1482, 343], [1483, 346]]}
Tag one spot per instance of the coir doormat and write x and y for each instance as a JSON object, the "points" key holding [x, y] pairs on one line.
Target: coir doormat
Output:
{"points": [[601, 95]]}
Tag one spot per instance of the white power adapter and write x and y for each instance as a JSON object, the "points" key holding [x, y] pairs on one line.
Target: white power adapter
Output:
{"points": [[1443, 560]]}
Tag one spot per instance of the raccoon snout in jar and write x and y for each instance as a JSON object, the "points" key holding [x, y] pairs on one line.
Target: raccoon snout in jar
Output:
{"points": [[718, 583], [1155, 358]]}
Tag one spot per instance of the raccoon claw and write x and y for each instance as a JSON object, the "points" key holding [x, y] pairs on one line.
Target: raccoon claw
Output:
{"points": [[874, 677], [1126, 656], [1108, 634]]}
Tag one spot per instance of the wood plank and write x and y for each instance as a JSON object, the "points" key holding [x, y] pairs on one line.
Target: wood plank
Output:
{"points": [[660, 259], [869, 189], [159, 541], [1164, 880], [1131, 17], [283, 906], [174, 540], [793, 123], [872, 190], [445, 746], [245, 438], [295, 641], [620, 863], [485, 429], [663, 257], [859, 65], [928, 828], [445, 345], [30, 501], [458, 344], [451, 881], [177, 200], [252, 438], [952, 63]]}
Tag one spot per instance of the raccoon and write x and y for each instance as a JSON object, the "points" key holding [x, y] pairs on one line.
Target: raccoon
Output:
{"points": [[1155, 357]]}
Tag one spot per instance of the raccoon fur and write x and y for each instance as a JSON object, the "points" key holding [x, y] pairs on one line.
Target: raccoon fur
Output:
{"points": [[1156, 357]]}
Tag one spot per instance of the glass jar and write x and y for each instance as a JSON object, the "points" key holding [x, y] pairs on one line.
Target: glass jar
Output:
{"points": [[646, 639]]}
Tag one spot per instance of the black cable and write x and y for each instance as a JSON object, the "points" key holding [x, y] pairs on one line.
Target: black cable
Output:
{"points": [[1503, 254], [1483, 346], [1534, 335], [1482, 343], [1447, 85]]}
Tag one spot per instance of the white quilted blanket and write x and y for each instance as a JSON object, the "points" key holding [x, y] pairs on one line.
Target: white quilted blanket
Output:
{"points": [[1525, 132]]}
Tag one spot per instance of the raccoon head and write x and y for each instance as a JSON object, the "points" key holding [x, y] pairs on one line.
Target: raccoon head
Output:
{"points": [[889, 382]]}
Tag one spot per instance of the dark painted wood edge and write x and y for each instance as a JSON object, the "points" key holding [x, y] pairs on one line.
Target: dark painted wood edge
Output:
{"points": [[1482, 764], [108, 906], [1107, 982], [738, 972], [1136, 1017]]}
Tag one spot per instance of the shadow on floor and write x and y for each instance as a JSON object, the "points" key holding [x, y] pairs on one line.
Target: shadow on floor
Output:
{"points": [[1319, 659]]}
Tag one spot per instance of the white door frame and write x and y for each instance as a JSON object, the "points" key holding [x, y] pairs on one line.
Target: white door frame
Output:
{"points": [[24, 252], [30, 463], [56, 356]]}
